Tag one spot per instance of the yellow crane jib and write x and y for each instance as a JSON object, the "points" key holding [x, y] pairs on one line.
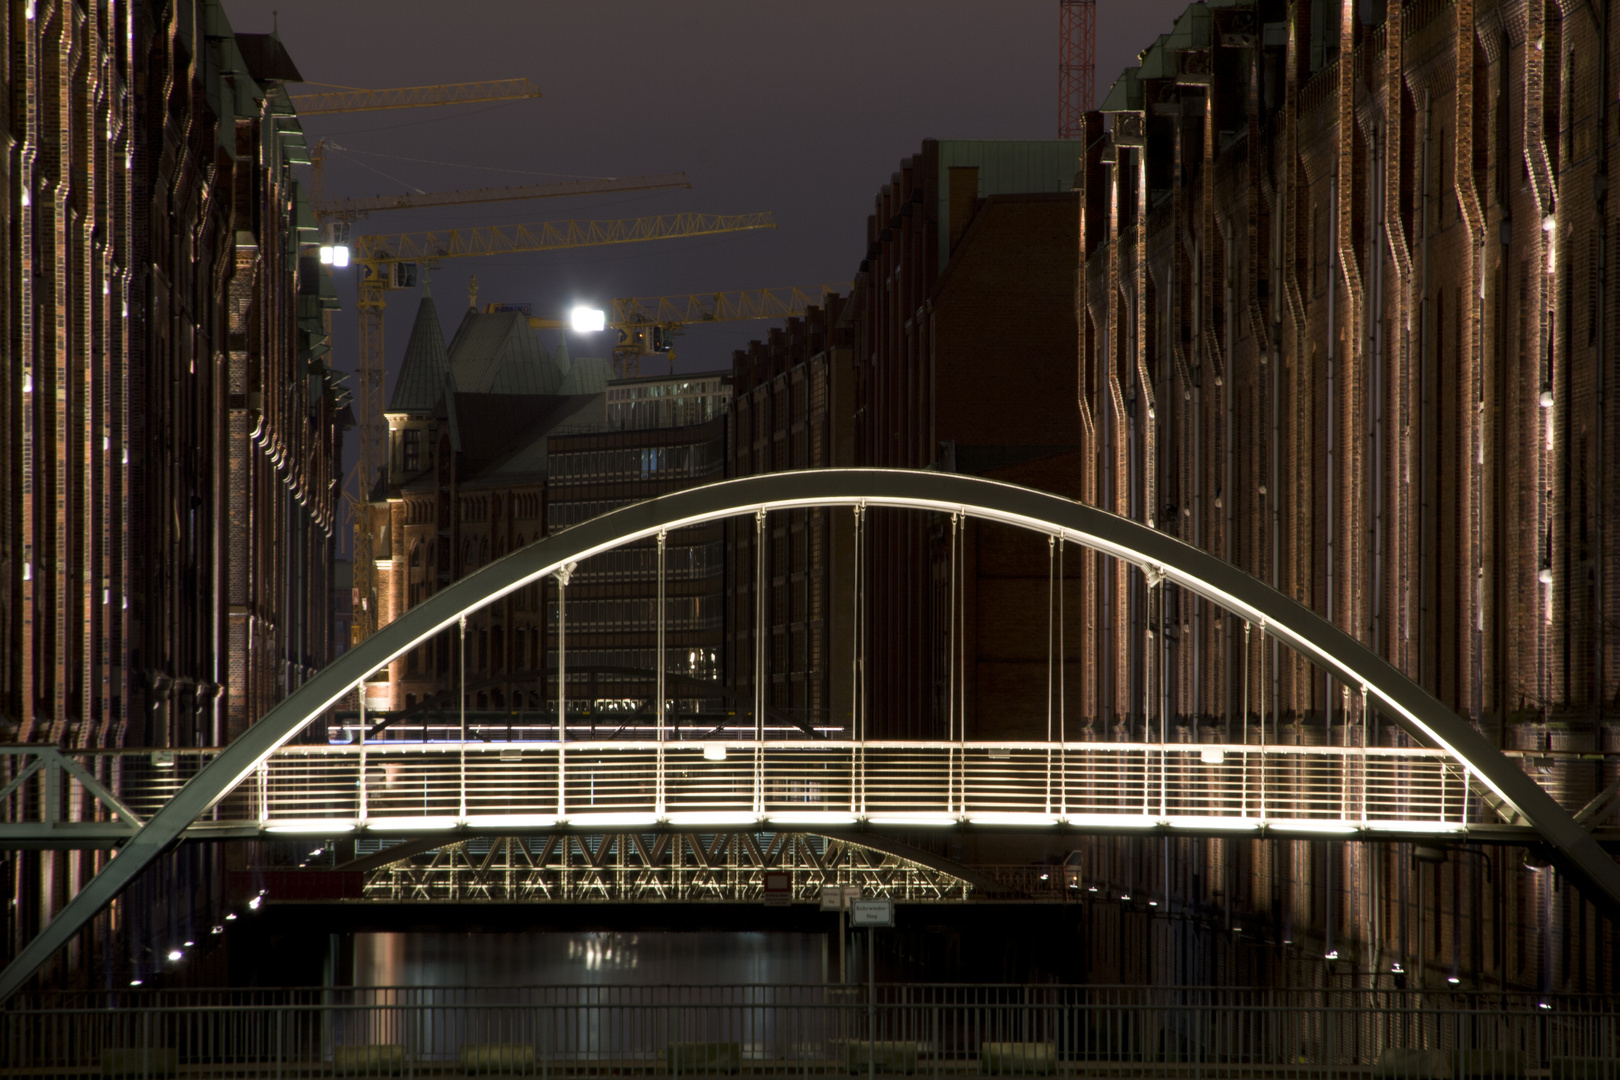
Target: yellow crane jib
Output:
{"points": [[355, 208], [673, 312], [414, 97], [648, 324], [376, 253]]}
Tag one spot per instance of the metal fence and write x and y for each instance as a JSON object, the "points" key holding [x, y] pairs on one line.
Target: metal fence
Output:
{"points": [[831, 1030]]}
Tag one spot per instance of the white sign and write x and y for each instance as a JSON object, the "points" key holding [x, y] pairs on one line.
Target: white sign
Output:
{"points": [[778, 888], [872, 913], [839, 897]]}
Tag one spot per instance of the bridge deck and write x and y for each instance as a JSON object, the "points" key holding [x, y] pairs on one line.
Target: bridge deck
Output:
{"points": [[396, 786]]}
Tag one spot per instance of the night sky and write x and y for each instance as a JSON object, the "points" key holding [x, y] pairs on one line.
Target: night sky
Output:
{"points": [[802, 109]]}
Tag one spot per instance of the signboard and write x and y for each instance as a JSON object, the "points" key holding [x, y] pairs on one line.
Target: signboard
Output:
{"points": [[778, 888], [839, 897], [872, 913]]}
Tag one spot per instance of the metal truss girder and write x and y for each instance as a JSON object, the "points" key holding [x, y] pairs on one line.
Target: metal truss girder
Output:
{"points": [[1421, 714], [623, 867]]}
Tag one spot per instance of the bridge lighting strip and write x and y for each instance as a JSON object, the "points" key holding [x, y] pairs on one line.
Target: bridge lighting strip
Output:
{"points": [[1224, 824], [913, 819], [512, 821], [614, 820], [1305, 825], [1012, 819], [1114, 821], [312, 826], [412, 824], [1417, 826], [810, 818], [714, 817]]}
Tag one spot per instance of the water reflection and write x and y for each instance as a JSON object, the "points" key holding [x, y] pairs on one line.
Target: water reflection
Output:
{"points": [[623, 998], [658, 958]]}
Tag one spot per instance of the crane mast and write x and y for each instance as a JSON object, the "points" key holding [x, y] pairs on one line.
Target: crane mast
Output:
{"points": [[1077, 64]]}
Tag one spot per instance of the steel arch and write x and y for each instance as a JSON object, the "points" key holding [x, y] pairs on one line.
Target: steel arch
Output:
{"points": [[1156, 553]]}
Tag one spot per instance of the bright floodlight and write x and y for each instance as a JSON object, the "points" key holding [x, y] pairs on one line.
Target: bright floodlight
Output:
{"points": [[340, 255], [714, 752], [326, 254], [586, 320]]}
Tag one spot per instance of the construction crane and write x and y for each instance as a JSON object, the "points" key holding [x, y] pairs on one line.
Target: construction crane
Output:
{"points": [[647, 325], [351, 210], [1077, 64], [347, 99], [391, 261]]}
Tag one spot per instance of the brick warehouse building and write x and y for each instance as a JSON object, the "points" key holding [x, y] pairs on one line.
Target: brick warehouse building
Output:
{"points": [[794, 409], [170, 431], [960, 320], [1288, 387], [942, 357], [1344, 320]]}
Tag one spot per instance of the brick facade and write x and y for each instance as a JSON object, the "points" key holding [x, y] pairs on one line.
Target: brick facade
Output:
{"points": [[168, 435]]}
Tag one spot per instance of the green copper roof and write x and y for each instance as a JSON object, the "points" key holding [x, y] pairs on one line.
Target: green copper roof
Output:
{"points": [[1126, 93], [1194, 30], [422, 375], [1158, 62]]}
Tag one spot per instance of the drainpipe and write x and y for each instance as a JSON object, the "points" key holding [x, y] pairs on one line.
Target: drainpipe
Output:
{"points": [[1473, 438]]}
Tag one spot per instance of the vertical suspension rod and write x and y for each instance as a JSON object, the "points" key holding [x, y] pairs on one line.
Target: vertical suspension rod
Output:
{"points": [[662, 663], [462, 814], [562, 688], [759, 660]]}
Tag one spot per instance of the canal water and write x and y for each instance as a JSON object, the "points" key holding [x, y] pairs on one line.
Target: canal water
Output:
{"points": [[609, 958], [607, 998]]}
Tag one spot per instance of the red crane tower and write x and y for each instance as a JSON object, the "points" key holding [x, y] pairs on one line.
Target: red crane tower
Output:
{"points": [[1077, 63]]}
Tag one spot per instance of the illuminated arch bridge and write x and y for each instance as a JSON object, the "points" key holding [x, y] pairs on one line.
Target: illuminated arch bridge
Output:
{"points": [[1454, 783]]}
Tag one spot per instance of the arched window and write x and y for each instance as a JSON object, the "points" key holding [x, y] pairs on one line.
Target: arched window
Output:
{"points": [[416, 554]]}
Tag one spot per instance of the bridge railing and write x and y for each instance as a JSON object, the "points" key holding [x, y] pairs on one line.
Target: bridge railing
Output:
{"points": [[400, 785], [842, 1032]]}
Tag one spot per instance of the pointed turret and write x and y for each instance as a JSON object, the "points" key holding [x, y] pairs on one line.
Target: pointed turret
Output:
{"points": [[421, 377]]}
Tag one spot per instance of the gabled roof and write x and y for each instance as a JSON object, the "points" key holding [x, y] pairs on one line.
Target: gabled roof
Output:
{"points": [[267, 58], [1126, 93], [1194, 29], [569, 411], [422, 375], [495, 428], [496, 352], [589, 375]]}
